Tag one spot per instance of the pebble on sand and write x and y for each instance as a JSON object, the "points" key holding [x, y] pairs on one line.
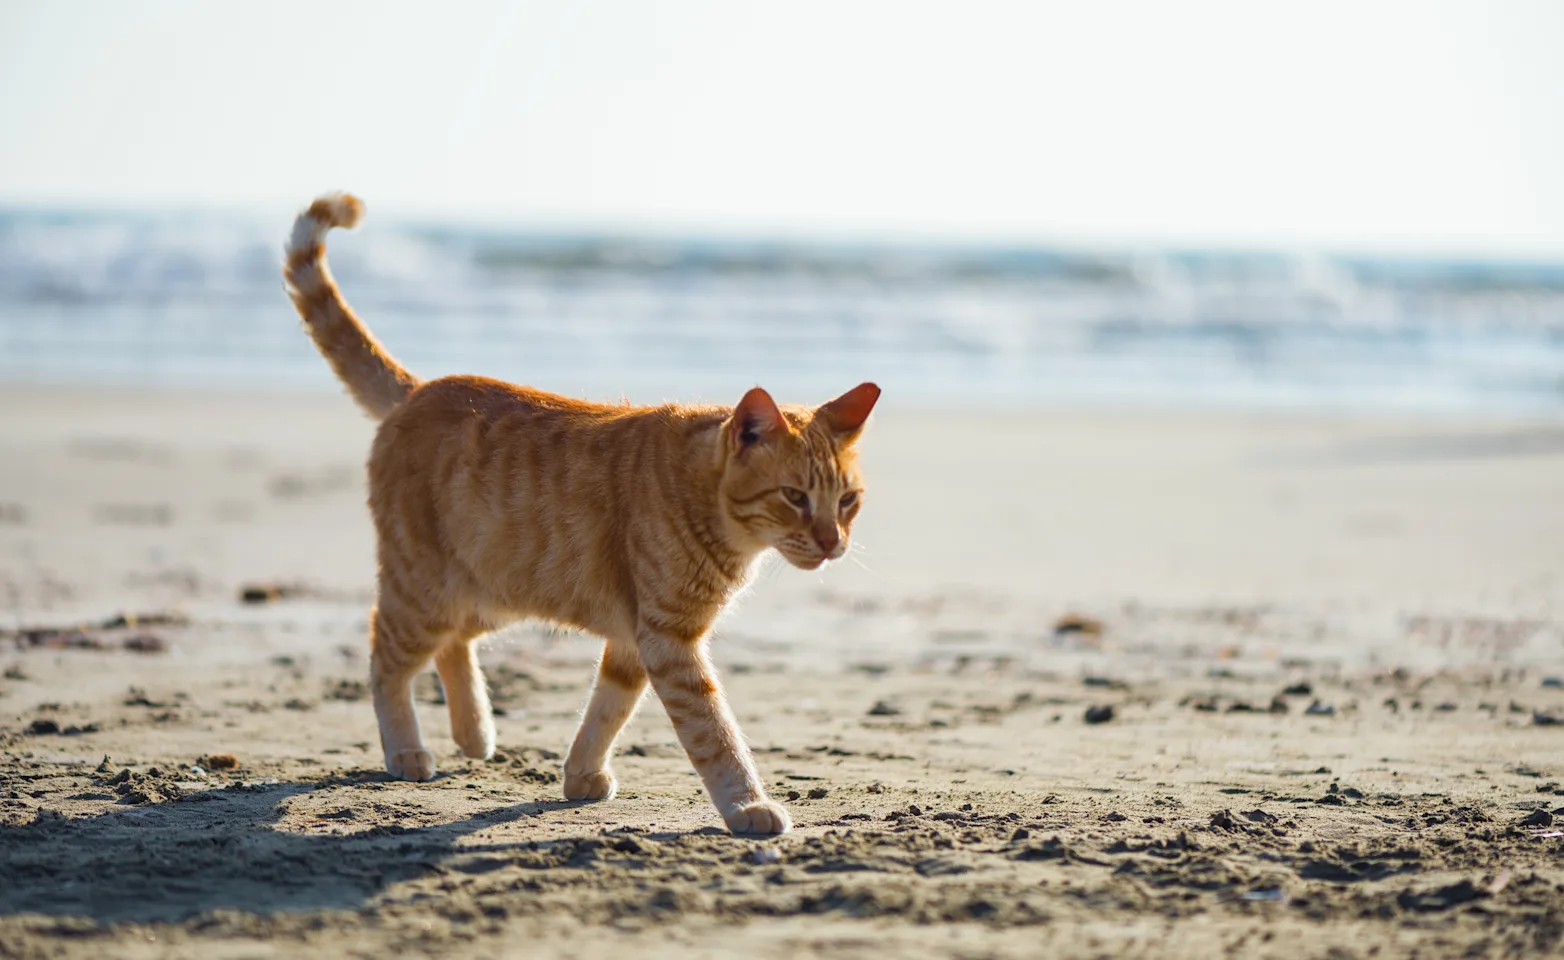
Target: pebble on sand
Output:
{"points": [[220, 761], [1078, 623]]}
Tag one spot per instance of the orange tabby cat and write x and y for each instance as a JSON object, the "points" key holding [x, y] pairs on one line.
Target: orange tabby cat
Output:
{"points": [[494, 502]]}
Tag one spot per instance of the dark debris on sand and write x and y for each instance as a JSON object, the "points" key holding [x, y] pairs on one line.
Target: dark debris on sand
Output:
{"points": [[124, 631]]}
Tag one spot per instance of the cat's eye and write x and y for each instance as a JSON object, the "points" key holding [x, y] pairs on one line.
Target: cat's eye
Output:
{"points": [[797, 498], [848, 499]]}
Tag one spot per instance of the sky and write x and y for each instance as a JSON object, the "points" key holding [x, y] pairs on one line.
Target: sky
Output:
{"points": [[1374, 125]]}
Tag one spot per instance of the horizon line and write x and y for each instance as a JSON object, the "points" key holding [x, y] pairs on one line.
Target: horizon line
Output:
{"points": [[737, 230]]}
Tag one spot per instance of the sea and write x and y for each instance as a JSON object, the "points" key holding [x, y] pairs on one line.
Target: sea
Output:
{"points": [[196, 300]]}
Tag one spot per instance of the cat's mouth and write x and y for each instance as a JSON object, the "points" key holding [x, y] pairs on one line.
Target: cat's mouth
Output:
{"points": [[805, 563]]}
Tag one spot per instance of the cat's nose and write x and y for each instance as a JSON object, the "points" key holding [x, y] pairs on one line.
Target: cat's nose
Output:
{"points": [[829, 538]]}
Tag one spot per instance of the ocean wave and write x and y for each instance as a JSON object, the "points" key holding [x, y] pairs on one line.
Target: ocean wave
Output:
{"points": [[176, 298]]}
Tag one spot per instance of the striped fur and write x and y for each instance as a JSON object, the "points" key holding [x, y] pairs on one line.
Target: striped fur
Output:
{"points": [[372, 375], [494, 503]]}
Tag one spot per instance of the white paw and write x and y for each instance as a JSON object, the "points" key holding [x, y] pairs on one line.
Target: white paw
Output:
{"points": [[474, 736], [411, 765], [479, 748], [765, 817], [598, 785]]}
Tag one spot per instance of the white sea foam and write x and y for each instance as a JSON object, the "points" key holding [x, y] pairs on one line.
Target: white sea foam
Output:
{"points": [[199, 300]]}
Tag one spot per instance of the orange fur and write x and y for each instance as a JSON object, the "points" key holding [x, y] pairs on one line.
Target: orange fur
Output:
{"points": [[494, 502]]}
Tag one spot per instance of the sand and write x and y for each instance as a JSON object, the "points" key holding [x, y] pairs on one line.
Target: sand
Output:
{"points": [[1331, 646]]}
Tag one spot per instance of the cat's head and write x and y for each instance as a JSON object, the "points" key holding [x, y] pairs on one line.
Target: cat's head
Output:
{"points": [[790, 479]]}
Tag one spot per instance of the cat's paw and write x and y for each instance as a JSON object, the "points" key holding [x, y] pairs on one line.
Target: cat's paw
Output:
{"points": [[763, 817], [598, 785], [475, 737], [411, 765], [479, 746]]}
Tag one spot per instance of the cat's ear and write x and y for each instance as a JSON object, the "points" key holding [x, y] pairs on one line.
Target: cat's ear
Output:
{"points": [[847, 413], [755, 419]]}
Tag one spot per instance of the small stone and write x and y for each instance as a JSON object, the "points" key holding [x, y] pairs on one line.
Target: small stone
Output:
{"points": [[220, 761], [43, 725], [884, 708], [1318, 709], [1078, 623], [818, 793], [263, 593], [1538, 818], [794, 795], [764, 856], [1099, 714], [145, 643]]}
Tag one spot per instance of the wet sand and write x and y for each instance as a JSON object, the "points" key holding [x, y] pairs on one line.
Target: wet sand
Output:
{"points": [[1332, 650]]}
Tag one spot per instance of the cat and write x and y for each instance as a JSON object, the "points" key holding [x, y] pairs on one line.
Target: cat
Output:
{"points": [[494, 502]]}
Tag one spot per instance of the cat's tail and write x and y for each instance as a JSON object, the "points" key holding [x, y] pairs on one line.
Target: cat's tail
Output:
{"points": [[372, 375]]}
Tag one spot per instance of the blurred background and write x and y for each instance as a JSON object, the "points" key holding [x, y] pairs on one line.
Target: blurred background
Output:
{"points": [[1323, 206]]}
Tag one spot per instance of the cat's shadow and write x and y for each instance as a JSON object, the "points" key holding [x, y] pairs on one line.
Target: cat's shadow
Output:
{"points": [[224, 849]]}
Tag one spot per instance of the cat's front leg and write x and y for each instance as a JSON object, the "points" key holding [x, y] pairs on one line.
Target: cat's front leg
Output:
{"points": [[687, 684], [615, 694]]}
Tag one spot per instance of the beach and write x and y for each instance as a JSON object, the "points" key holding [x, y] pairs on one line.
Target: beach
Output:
{"points": [[1090, 684]]}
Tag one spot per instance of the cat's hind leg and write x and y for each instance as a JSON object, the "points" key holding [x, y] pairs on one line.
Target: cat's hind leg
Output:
{"points": [[467, 697], [615, 695], [399, 649]]}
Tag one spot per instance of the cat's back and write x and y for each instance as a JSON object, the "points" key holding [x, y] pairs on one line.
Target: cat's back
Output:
{"points": [[469, 432], [469, 412], [452, 401]]}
